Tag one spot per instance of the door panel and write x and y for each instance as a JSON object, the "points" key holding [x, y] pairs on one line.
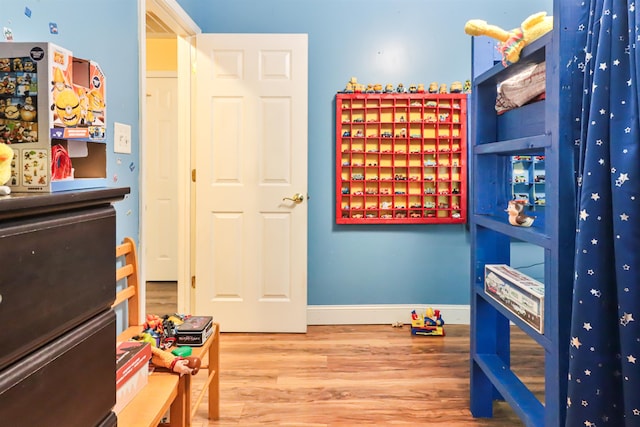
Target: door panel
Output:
{"points": [[161, 211], [251, 154]]}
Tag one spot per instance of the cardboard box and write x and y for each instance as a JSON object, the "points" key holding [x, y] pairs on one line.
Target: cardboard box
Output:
{"points": [[130, 388], [194, 331], [132, 371], [131, 356], [48, 97], [517, 292]]}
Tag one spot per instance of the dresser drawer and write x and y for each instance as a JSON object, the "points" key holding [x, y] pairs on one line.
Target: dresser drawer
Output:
{"points": [[58, 270], [69, 382]]}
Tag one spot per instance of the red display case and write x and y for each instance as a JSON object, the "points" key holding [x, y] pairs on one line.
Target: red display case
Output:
{"points": [[401, 158]]}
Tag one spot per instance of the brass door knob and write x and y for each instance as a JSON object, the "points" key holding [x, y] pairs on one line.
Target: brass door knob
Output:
{"points": [[297, 198]]}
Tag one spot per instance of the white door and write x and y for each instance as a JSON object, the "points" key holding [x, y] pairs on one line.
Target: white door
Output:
{"points": [[251, 154], [161, 211]]}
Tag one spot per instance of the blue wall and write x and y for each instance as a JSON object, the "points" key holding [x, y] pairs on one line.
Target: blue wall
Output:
{"points": [[106, 32], [386, 41]]}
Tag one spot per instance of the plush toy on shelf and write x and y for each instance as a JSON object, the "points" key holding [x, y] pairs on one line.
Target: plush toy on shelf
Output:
{"points": [[6, 156], [517, 217], [512, 42]]}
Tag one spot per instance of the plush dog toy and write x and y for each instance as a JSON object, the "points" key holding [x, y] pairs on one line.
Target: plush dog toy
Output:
{"points": [[6, 155], [512, 42]]}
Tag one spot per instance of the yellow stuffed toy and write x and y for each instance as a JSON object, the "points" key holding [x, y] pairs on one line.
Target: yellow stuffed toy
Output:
{"points": [[6, 155], [512, 42]]}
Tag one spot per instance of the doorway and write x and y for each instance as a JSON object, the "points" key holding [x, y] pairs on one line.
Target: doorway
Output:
{"points": [[277, 177], [165, 160]]}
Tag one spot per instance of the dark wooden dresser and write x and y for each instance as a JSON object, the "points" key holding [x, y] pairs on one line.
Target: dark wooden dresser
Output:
{"points": [[57, 284]]}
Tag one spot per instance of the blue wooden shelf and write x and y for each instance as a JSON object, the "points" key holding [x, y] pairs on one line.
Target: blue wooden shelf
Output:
{"points": [[535, 129]]}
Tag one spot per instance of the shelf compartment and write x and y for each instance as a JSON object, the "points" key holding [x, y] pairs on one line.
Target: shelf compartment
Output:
{"points": [[534, 53], [541, 339], [521, 399], [533, 235], [534, 144]]}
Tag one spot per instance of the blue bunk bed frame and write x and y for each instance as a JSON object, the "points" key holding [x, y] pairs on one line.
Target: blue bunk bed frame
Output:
{"points": [[541, 128]]}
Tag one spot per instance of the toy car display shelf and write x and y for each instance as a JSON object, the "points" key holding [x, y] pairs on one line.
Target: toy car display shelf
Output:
{"points": [[401, 158], [528, 179]]}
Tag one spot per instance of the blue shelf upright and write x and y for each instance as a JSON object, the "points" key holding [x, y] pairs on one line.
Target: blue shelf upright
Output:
{"points": [[542, 128]]}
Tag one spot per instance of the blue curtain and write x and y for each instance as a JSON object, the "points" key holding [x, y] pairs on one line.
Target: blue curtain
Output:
{"points": [[604, 365]]}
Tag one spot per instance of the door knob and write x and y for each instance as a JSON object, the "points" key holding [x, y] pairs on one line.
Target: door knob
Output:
{"points": [[297, 198]]}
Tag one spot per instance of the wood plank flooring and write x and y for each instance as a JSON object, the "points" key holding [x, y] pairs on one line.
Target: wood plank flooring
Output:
{"points": [[351, 376]]}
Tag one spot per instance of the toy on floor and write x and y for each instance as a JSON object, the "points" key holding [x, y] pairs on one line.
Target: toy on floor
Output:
{"points": [[517, 217], [6, 156], [428, 324], [512, 42]]}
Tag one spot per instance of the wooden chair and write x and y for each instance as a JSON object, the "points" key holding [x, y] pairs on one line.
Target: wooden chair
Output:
{"points": [[165, 391]]}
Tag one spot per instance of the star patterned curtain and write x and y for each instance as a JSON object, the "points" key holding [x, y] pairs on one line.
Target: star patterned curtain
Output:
{"points": [[604, 366]]}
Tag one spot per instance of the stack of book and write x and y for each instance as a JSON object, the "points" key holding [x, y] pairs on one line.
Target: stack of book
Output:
{"points": [[132, 371]]}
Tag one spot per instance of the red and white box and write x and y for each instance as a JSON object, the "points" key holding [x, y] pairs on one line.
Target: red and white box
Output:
{"points": [[132, 371]]}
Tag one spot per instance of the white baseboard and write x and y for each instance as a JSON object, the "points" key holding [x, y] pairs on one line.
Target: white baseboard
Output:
{"points": [[381, 314]]}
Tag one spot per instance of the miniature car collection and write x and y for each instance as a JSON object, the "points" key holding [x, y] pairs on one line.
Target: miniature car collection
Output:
{"points": [[400, 154]]}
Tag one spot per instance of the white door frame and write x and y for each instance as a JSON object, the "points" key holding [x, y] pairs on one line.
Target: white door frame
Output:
{"points": [[172, 14]]}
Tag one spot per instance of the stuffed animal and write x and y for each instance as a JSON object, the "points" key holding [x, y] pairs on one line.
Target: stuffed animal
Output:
{"points": [[6, 156], [517, 217], [512, 42]]}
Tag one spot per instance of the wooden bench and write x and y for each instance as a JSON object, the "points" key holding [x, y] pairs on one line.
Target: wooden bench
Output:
{"points": [[165, 391]]}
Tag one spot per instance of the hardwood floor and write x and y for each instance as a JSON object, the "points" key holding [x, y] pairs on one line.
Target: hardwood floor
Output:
{"points": [[351, 376]]}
